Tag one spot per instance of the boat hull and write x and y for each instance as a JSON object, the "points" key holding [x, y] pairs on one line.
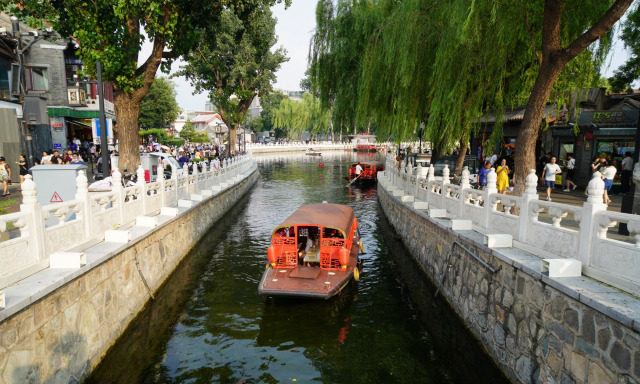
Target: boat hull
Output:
{"points": [[309, 282]]}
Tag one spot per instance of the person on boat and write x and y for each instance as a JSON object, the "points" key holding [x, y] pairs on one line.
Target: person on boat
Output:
{"points": [[358, 169], [305, 248]]}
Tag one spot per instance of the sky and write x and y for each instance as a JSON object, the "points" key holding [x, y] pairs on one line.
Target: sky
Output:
{"points": [[294, 29]]}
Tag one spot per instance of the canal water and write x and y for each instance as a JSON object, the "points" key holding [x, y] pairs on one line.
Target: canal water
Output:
{"points": [[209, 325]]}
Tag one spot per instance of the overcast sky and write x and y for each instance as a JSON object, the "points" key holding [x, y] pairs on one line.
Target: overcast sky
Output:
{"points": [[294, 29]]}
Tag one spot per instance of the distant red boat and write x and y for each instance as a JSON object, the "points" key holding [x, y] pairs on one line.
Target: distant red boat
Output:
{"points": [[313, 253], [369, 172]]}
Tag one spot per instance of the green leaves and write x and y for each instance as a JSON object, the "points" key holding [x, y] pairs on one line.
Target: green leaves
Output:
{"points": [[159, 107]]}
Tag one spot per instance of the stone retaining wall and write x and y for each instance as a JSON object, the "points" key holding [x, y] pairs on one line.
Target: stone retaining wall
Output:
{"points": [[533, 331], [63, 336]]}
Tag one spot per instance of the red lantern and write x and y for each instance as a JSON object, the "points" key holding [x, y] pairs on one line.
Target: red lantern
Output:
{"points": [[344, 256]]}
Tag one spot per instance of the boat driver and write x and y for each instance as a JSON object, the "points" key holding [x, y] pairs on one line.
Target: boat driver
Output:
{"points": [[310, 245]]}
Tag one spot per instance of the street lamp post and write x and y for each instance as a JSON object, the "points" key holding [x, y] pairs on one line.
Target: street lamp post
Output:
{"points": [[104, 140]]}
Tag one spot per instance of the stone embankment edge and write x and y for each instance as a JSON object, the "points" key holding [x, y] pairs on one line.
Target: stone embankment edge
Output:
{"points": [[533, 331], [64, 335]]}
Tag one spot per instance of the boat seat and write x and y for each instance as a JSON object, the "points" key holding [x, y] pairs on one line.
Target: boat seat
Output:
{"points": [[312, 257]]}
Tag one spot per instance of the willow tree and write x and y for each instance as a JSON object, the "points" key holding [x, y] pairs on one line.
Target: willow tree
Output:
{"points": [[113, 32], [629, 72], [335, 56], [234, 62], [288, 117]]}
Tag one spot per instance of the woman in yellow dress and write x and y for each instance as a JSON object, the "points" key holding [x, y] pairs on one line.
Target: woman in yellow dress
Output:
{"points": [[503, 176]]}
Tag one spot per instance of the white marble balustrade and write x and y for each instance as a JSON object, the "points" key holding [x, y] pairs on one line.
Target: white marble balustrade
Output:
{"points": [[611, 260], [38, 231]]}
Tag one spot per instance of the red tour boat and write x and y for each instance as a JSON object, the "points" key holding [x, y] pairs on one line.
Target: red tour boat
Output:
{"points": [[313, 253], [369, 172]]}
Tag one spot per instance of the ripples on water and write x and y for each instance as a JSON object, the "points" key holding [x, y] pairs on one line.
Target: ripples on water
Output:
{"points": [[208, 324]]}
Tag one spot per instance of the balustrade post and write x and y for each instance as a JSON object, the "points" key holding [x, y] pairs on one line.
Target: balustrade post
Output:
{"points": [[118, 190], [464, 184], [36, 223], [589, 226], [163, 194], [143, 188], [82, 195], [491, 189], [196, 184], [418, 177], [431, 176], [185, 175], [174, 177], [530, 194]]}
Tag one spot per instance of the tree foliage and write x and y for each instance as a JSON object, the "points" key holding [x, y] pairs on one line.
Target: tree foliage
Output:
{"points": [[294, 116], [111, 31], [159, 107], [234, 62], [445, 63], [189, 132], [625, 76]]}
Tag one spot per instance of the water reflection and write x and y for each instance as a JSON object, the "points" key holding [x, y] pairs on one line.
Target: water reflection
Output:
{"points": [[208, 324]]}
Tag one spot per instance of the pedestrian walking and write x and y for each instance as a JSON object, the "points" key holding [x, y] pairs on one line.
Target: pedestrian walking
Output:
{"points": [[627, 171], [24, 169], [571, 168], [5, 176], [503, 176], [551, 169], [608, 174]]}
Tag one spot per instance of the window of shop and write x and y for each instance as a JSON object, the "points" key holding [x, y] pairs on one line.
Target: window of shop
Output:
{"points": [[4, 72], [614, 148], [565, 149]]}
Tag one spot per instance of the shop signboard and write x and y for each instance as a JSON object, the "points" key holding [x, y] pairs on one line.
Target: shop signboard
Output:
{"points": [[95, 130], [620, 118]]}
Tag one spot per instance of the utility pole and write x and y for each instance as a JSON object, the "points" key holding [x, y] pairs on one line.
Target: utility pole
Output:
{"points": [[102, 120], [104, 140]]}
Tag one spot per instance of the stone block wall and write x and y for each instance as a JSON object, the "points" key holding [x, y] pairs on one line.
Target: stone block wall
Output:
{"points": [[534, 332], [62, 337]]}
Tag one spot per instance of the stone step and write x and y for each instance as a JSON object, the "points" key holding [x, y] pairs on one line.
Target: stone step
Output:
{"points": [[146, 221], [186, 203], [67, 259], [420, 205], [460, 225], [117, 236], [498, 240], [407, 199], [196, 197], [437, 212], [562, 267], [169, 211]]}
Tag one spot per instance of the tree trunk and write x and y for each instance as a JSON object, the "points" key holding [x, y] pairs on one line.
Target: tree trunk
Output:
{"points": [[437, 152], [127, 110], [464, 144], [233, 138], [554, 58]]}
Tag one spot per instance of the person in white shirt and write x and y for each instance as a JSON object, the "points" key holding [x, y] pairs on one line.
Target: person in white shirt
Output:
{"points": [[358, 169], [571, 166], [549, 173], [493, 159], [627, 171], [608, 174]]}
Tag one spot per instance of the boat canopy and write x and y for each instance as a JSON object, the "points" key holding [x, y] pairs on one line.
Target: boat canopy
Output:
{"points": [[326, 215], [373, 164]]}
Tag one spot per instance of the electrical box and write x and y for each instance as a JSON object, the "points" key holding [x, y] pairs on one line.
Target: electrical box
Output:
{"points": [[35, 110]]}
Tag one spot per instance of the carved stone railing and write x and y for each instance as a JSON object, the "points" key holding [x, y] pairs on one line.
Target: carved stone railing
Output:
{"points": [[580, 232], [38, 231]]}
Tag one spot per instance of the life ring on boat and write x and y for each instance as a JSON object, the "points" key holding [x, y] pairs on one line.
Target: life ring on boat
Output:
{"points": [[361, 246], [356, 274], [267, 266]]}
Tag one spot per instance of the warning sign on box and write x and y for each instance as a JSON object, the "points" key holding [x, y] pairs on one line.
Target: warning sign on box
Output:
{"points": [[55, 198]]}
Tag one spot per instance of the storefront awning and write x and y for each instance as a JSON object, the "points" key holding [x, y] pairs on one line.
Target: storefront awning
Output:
{"points": [[615, 132]]}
